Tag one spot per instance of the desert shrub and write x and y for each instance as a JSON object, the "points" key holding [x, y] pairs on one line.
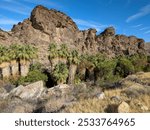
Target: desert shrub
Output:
{"points": [[139, 62], [104, 71], [106, 68], [124, 67], [36, 66], [147, 68], [32, 76], [36, 75], [60, 73]]}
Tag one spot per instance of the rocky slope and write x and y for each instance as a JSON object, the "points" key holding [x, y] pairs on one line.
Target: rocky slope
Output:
{"points": [[147, 47], [51, 26], [132, 95]]}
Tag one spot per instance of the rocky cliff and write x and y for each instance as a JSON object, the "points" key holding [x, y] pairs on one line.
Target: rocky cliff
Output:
{"points": [[50, 26]]}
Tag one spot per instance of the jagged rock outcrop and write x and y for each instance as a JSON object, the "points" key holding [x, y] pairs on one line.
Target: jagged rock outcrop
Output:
{"points": [[51, 26]]}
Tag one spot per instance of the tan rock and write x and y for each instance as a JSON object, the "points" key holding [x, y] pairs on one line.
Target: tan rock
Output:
{"points": [[144, 108], [123, 108], [31, 92]]}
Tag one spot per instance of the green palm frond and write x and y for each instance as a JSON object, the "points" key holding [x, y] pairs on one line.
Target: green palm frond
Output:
{"points": [[74, 57], [60, 73]]}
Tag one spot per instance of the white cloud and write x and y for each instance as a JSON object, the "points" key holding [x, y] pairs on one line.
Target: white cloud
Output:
{"points": [[89, 24], [6, 21], [147, 32], [144, 28], [43, 2], [143, 12], [15, 6], [16, 10], [20, 7], [136, 26]]}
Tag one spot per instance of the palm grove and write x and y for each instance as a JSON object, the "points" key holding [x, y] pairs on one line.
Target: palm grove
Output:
{"points": [[15, 60], [67, 66]]}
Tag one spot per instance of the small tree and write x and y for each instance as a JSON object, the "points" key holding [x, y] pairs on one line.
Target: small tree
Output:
{"points": [[52, 51], [4, 62], [63, 53], [124, 67], [14, 62], [53, 55], [25, 53], [74, 60], [139, 62], [60, 73]]}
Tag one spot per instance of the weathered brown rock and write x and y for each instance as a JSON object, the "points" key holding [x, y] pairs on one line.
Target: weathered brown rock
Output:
{"points": [[31, 92], [16, 105], [51, 26], [109, 31]]}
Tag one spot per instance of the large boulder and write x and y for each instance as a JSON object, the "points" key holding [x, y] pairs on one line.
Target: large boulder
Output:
{"points": [[110, 31], [123, 108], [16, 105], [48, 20], [31, 92], [90, 39]]}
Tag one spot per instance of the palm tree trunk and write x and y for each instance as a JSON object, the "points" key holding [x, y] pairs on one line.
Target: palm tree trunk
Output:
{"points": [[54, 62], [72, 72], [14, 68], [5, 70], [82, 72], [24, 67]]}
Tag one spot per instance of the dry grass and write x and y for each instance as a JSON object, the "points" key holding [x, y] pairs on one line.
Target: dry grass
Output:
{"points": [[3, 105], [88, 106], [137, 104], [108, 105]]}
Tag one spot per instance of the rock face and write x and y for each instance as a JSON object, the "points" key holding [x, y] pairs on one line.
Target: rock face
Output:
{"points": [[31, 92], [123, 108], [50, 26], [16, 105]]}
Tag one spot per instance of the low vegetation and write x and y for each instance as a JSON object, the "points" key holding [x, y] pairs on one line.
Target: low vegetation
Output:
{"points": [[108, 106], [70, 67]]}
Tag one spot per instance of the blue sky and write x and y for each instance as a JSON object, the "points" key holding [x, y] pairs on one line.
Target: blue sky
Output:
{"points": [[129, 17]]}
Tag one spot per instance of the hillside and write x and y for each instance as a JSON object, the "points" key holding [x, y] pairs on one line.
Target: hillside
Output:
{"points": [[48, 65], [132, 95], [147, 47], [51, 26]]}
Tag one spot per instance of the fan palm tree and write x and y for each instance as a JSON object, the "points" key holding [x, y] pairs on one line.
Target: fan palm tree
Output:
{"points": [[4, 62], [53, 55], [60, 73], [86, 67], [73, 62], [25, 53], [63, 53], [58, 55], [13, 59]]}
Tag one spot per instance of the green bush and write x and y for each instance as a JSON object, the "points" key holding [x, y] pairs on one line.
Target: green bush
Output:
{"points": [[147, 68], [32, 76], [36, 66], [139, 62], [36, 75], [124, 67], [148, 59]]}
